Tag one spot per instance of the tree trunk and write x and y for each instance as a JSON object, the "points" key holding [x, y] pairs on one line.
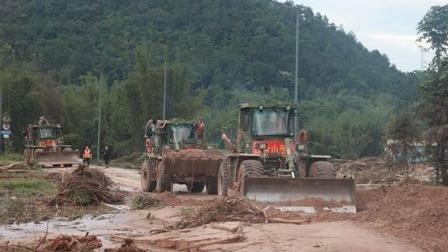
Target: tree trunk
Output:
{"points": [[443, 165]]}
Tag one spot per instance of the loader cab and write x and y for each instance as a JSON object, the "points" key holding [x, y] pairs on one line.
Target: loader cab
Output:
{"points": [[44, 135], [38, 132], [265, 128], [182, 135]]}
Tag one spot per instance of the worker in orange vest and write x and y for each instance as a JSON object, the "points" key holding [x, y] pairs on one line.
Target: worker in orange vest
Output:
{"points": [[87, 155]]}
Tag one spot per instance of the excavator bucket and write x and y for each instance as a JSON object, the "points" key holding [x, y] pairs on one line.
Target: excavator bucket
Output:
{"points": [[57, 158], [303, 194]]}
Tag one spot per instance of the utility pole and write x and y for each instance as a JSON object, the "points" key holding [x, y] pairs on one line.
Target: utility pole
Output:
{"points": [[165, 52], [296, 90], [99, 120]]}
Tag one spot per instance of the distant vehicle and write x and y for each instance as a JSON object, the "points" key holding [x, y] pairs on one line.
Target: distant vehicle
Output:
{"points": [[44, 147]]}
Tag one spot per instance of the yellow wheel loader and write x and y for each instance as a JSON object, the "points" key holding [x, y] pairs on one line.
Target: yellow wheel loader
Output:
{"points": [[44, 147], [270, 163]]}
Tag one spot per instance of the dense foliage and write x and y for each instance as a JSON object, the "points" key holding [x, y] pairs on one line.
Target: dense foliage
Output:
{"points": [[434, 100], [220, 53]]}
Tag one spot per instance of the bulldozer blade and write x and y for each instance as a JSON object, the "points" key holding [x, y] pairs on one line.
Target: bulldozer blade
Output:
{"points": [[299, 194], [58, 159]]}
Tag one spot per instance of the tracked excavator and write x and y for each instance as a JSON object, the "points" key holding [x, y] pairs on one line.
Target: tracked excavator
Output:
{"points": [[44, 147], [181, 157], [269, 162]]}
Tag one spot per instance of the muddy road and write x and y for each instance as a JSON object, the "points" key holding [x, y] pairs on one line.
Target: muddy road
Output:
{"points": [[112, 228]]}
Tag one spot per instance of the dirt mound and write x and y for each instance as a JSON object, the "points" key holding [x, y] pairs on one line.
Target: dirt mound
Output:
{"points": [[413, 211], [87, 186], [220, 210], [144, 201], [380, 171]]}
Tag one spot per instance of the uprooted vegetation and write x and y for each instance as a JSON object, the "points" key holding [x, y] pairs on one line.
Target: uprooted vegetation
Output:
{"points": [[144, 201], [380, 171], [61, 243], [220, 210], [87, 186], [25, 196]]}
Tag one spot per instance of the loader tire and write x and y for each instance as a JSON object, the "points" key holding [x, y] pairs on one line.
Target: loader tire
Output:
{"points": [[148, 177], [223, 178], [248, 168], [212, 185], [164, 183], [196, 187], [323, 169]]}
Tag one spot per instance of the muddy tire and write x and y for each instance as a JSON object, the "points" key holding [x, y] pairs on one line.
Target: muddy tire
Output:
{"points": [[148, 177], [323, 169], [164, 183], [223, 178], [196, 187], [212, 185], [248, 168]]}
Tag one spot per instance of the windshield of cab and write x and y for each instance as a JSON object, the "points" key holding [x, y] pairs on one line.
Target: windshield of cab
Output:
{"points": [[47, 133], [270, 122], [185, 134]]}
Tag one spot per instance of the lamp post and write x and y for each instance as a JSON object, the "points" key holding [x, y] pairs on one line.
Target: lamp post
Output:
{"points": [[165, 52], [99, 116], [296, 79]]}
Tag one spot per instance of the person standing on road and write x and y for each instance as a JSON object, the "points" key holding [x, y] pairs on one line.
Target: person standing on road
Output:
{"points": [[87, 155], [106, 155]]}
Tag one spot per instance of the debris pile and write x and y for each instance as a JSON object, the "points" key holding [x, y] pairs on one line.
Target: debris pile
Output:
{"points": [[415, 212], [61, 243], [144, 201], [223, 209], [72, 243], [380, 171], [87, 186]]}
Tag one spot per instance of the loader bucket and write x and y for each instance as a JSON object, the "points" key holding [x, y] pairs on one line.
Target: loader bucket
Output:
{"points": [[193, 162], [57, 158], [303, 194]]}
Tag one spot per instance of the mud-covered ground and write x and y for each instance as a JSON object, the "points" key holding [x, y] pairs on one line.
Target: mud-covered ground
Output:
{"points": [[25, 196], [402, 218]]}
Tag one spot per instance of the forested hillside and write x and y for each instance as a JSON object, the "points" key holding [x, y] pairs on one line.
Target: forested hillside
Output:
{"points": [[220, 53]]}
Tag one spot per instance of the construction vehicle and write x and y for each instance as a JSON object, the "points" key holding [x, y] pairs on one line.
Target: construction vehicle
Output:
{"points": [[44, 147], [271, 163], [181, 158]]}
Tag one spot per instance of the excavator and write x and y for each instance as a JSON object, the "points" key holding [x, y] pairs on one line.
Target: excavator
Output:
{"points": [[44, 147], [269, 162]]}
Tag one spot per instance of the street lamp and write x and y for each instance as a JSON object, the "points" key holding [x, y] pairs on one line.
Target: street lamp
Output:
{"points": [[296, 79], [99, 116]]}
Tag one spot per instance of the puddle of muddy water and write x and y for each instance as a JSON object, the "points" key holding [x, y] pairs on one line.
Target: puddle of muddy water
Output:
{"points": [[122, 224]]}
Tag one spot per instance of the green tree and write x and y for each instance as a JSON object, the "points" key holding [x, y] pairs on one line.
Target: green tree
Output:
{"points": [[404, 132], [433, 29], [434, 105]]}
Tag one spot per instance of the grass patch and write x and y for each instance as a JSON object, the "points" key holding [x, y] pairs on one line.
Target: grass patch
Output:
{"points": [[10, 158], [27, 186]]}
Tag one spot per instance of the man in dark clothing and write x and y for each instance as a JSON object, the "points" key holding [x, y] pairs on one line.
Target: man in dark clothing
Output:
{"points": [[106, 155]]}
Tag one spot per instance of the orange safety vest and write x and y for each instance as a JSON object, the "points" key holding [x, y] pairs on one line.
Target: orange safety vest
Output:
{"points": [[87, 154]]}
